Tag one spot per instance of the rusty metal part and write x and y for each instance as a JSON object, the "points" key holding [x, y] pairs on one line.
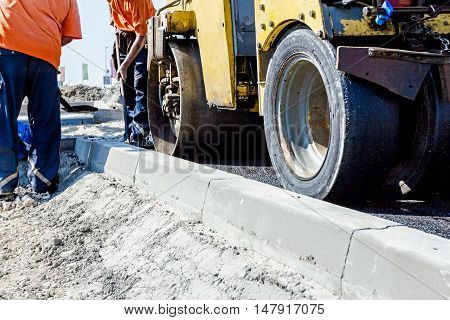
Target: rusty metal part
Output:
{"points": [[243, 90], [354, 21], [440, 23], [437, 36], [401, 72], [417, 32], [408, 11], [405, 55]]}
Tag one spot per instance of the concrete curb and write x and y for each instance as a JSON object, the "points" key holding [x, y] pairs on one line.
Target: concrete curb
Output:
{"points": [[68, 119], [348, 252], [379, 262], [107, 115], [67, 144]]}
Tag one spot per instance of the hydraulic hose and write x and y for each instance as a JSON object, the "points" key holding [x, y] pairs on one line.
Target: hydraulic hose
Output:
{"points": [[170, 5]]}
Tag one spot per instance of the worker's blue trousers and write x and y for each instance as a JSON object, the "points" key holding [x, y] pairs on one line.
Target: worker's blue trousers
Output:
{"points": [[25, 76], [135, 113]]}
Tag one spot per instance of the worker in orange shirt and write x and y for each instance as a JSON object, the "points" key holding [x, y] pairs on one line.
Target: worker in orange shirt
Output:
{"points": [[130, 19], [32, 33]]}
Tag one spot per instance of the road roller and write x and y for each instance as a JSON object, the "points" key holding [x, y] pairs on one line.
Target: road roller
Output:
{"points": [[347, 99]]}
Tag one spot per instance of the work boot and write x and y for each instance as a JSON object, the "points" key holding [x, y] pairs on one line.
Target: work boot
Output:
{"points": [[141, 141], [53, 188], [145, 144]]}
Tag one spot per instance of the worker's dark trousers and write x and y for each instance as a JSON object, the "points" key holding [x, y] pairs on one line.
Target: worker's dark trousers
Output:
{"points": [[22, 75], [135, 113]]}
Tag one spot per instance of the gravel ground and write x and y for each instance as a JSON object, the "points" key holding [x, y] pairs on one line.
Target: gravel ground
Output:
{"points": [[432, 216], [82, 93], [96, 239], [109, 96]]}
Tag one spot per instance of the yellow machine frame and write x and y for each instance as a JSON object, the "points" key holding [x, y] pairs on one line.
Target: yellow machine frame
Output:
{"points": [[211, 22]]}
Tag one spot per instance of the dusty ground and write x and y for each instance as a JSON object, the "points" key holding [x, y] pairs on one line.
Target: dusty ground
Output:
{"points": [[99, 240], [82, 93]]}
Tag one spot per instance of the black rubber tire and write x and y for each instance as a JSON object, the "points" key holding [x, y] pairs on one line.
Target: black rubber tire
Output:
{"points": [[424, 169], [364, 126], [206, 135], [186, 58]]}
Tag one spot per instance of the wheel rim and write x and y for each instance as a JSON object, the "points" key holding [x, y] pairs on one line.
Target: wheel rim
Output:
{"points": [[303, 117]]}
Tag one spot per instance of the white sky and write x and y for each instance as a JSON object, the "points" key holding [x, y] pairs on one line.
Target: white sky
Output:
{"points": [[97, 35]]}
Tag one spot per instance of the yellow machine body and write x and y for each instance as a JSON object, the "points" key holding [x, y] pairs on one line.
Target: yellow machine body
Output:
{"points": [[213, 29], [333, 75], [211, 22]]}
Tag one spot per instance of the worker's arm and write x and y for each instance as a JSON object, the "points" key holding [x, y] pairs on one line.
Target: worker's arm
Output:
{"points": [[140, 16], [111, 20], [138, 45], [66, 40], [71, 26]]}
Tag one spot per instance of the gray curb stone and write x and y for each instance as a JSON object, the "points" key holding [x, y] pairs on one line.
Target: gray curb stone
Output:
{"points": [[67, 144], [382, 261], [171, 178], [83, 150], [349, 252], [76, 119], [69, 119], [107, 115], [315, 233], [114, 158]]}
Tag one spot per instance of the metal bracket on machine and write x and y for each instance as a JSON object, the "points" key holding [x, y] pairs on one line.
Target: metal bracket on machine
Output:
{"points": [[156, 39], [401, 72], [162, 26]]}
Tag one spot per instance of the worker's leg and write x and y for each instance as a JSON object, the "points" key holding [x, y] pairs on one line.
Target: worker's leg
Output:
{"points": [[13, 70], [129, 98], [45, 120], [140, 127]]}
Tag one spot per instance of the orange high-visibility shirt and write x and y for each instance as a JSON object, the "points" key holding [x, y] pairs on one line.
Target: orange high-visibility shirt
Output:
{"points": [[132, 15], [36, 27]]}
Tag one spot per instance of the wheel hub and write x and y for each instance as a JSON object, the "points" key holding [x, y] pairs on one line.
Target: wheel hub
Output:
{"points": [[303, 117], [170, 99]]}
